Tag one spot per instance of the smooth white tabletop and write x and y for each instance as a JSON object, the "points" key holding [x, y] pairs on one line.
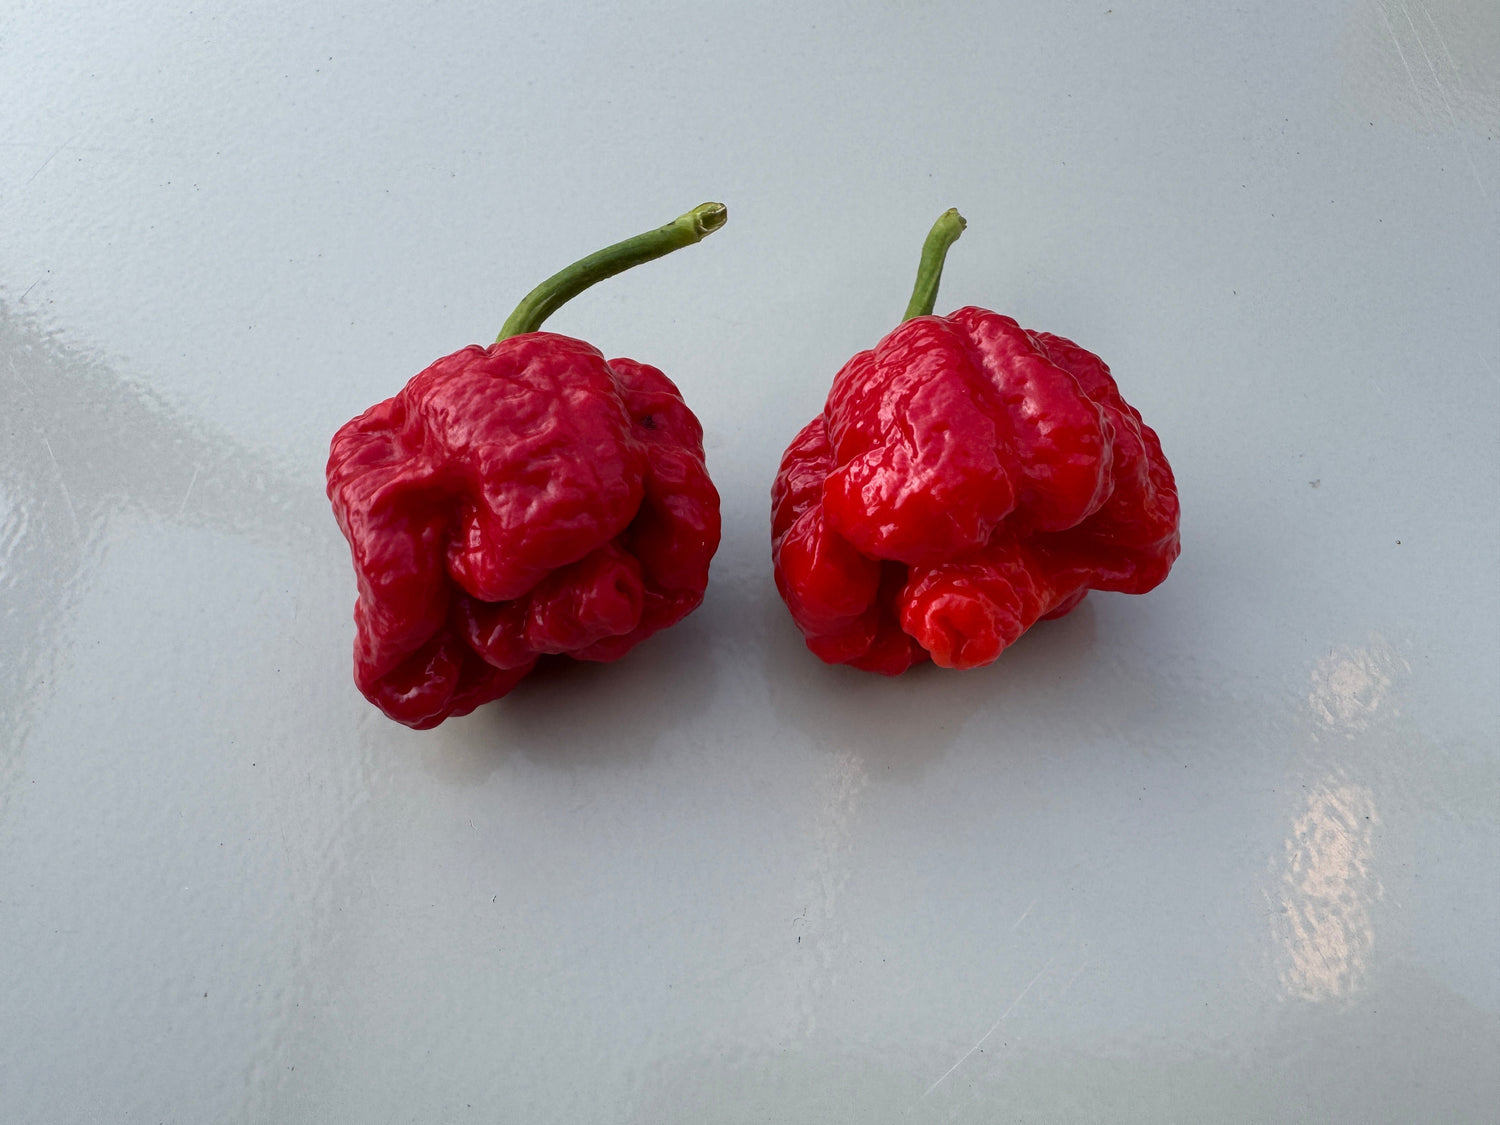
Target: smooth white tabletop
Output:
{"points": [[1226, 852]]}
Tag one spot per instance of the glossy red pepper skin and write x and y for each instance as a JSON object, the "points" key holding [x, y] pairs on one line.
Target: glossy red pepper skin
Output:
{"points": [[523, 499], [966, 479]]}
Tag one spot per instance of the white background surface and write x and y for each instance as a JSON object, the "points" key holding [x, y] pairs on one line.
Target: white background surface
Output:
{"points": [[1229, 851]]}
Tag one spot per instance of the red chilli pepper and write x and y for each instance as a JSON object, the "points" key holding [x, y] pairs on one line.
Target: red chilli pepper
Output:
{"points": [[522, 499], [965, 479]]}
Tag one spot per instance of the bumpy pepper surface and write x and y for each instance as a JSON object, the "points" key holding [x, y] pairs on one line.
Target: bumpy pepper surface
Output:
{"points": [[966, 479], [516, 500]]}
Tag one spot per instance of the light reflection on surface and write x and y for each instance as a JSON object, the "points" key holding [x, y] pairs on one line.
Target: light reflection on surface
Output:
{"points": [[823, 884], [1351, 687], [85, 445], [1328, 881], [1327, 887]]}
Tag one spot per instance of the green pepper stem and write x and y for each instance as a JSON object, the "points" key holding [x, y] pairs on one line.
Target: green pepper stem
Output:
{"points": [[944, 233], [566, 284]]}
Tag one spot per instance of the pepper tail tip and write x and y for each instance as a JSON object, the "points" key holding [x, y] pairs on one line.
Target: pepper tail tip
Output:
{"points": [[708, 217]]}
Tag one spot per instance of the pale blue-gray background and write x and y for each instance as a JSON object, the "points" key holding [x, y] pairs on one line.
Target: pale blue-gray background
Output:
{"points": [[1230, 851]]}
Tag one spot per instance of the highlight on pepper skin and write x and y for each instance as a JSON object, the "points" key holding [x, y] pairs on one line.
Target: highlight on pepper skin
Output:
{"points": [[966, 479], [524, 499]]}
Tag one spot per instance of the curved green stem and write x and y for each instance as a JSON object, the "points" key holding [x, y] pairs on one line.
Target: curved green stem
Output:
{"points": [[566, 284], [944, 233]]}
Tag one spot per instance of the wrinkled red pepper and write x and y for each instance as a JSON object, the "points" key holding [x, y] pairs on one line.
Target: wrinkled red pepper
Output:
{"points": [[966, 479], [522, 499]]}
